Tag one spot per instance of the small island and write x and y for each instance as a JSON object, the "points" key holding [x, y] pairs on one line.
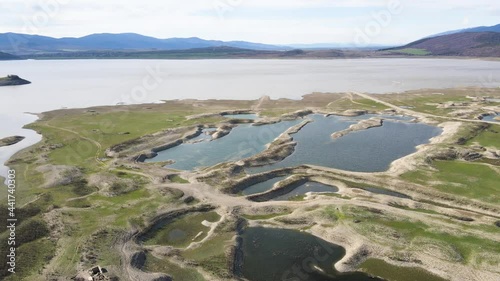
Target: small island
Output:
{"points": [[10, 140], [13, 80]]}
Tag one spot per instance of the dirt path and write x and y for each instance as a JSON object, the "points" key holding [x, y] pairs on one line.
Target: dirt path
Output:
{"points": [[97, 144], [419, 114]]}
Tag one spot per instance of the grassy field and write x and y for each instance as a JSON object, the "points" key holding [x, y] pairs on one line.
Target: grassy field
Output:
{"points": [[390, 272], [412, 51], [211, 255], [178, 179], [471, 180], [178, 273], [488, 138], [405, 235]]}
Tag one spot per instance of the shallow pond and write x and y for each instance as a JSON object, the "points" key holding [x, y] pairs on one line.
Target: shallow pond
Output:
{"points": [[370, 150], [281, 254], [491, 118], [305, 188], [243, 141]]}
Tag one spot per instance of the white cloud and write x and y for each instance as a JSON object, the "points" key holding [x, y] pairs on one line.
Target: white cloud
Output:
{"points": [[181, 18]]}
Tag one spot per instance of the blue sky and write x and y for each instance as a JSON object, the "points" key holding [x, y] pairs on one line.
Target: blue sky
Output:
{"points": [[275, 22]]}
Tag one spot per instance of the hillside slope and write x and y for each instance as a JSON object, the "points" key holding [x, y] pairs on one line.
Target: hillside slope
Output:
{"points": [[474, 44], [5, 56]]}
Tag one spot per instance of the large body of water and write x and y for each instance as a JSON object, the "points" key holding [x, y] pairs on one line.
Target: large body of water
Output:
{"points": [[370, 150], [84, 83]]}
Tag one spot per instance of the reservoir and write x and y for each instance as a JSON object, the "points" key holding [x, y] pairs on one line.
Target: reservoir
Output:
{"points": [[83, 83]]}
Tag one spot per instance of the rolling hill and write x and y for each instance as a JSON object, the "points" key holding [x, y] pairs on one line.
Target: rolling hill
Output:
{"points": [[23, 44], [473, 44], [494, 28], [5, 56]]}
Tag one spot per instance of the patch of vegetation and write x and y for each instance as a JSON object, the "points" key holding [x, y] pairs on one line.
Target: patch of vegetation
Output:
{"points": [[100, 248], [29, 242], [31, 258], [391, 272], [79, 203], [177, 179], [356, 103], [489, 137], [466, 179], [412, 51], [466, 246], [178, 273], [333, 213], [211, 255]]}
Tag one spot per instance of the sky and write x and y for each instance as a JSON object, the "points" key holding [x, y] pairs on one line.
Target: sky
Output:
{"points": [[384, 22]]}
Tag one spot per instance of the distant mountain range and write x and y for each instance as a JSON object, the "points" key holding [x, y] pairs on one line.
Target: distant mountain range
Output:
{"points": [[494, 28], [23, 44], [481, 41]]}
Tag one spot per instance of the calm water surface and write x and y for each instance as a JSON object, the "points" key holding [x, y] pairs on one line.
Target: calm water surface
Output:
{"points": [[281, 254], [370, 150], [242, 142]]}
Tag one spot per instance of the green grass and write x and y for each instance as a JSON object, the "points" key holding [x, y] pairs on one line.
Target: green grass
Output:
{"points": [[178, 179], [31, 258], [357, 104], [105, 128], [391, 272], [182, 231], [466, 179], [178, 273], [414, 232], [488, 138], [211, 255], [333, 213], [412, 51]]}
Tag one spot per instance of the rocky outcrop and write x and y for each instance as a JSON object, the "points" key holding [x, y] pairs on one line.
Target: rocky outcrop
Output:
{"points": [[296, 114], [361, 125], [10, 140], [222, 131], [13, 80], [454, 153]]}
